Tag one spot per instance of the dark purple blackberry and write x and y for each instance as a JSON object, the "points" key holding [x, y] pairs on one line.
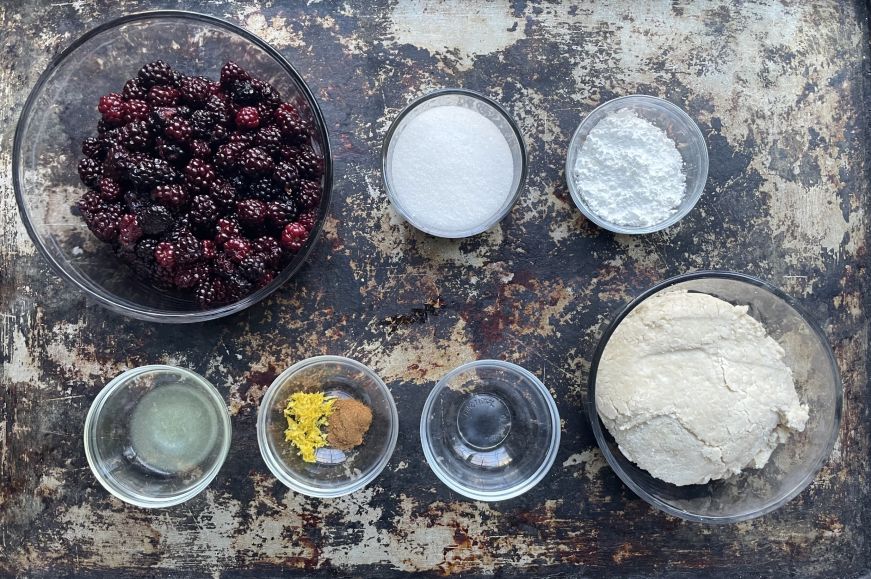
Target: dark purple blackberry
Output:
{"points": [[268, 138], [223, 194], [178, 130], [199, 175], [135, 136], [194, 90], [148, 173], [155, 220], [155, 73], [145, 250], [118, 162], [136, 110], [90, 203], [211, 292], [309, 194], [208, 249], [232, 72], [229, 154], [280, 213], [161, 116], [309, 163], [263, 188], [187, 249], [247, 118], [264, 111], [218, 136], [202, 123], [92, 148], [135, 202], [129, 230], [255, 161], [269, 249], [224, 266], [112, 106], [286, 175], [204, 211], [171, 152], [236, 248], [200, 149], [134, 89], [162, 96], [244, 93], [292, 127], [251, 212], [253, 266], [183, 111], [219, 106], [238, 287], [164, 254], [90, 171], [268, 93], [110, 190], [307, 219], [104, 226], [226, 229], [172, 196], [188, 276]]}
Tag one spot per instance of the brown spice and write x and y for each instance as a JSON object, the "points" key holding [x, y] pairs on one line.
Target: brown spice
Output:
{"points": [[348, 422]]}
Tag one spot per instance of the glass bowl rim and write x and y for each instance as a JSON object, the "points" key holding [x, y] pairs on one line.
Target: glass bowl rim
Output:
{"points": [[598, 432], [283, 475], [573, 150], [122, 305], [122, 380], [519, 488], [515, 129]]}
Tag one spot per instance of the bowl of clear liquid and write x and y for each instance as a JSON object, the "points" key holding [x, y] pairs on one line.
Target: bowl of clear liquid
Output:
{"points": [[156, 436]]}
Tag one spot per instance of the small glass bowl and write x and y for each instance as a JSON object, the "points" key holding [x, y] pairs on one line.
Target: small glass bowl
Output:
{"points": [[61, 111], [156, 436], [490, 430], [793, 464], [677, 124], [334, 472], [473, 101]]}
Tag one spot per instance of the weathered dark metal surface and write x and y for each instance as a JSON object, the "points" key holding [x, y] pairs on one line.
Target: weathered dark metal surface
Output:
{"points": [[779, 90]]}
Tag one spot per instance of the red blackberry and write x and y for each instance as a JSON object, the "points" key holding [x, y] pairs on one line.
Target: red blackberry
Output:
{"points": [[104, 226], [208, 249], [244, 93], [286, 175], [155, 220], [232, 72], [90, 171], [211, 292], [92, 148], [237, 248], [255, 160], [187, 249], [199, 174], [129, 231], [265, 279], [294, 236], [309, 194], [112, 107], [292, 127], [223, 194], [200, 149], [164, 254], [228, 154], [247, 118], [226, 229], [251, 212], [252, 266], [189, 276], [172, 196], [135, 136], [264, 189], [134, 90], [136, 110], [148, 173], [156, 73], [194, 89], [268, 138], [178, 129], [309, 163], [162, 96], [280, 213], [110, 190], [204, 211]]}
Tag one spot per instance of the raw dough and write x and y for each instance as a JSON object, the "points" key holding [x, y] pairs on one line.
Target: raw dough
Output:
{"points": [[693, 389]]}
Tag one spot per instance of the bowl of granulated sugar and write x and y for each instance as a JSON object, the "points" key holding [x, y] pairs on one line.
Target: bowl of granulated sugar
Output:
{"points": [[453, 163], [637, 164]]}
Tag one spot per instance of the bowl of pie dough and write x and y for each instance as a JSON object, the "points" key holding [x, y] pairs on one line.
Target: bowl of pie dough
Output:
{"points": [[714, 397]]}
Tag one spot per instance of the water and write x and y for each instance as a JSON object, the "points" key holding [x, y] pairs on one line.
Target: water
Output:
{"points": [[173, 429]]}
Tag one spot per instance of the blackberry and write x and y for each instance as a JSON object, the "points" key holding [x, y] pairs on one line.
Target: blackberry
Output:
{"points": [[238, 287], [171, 152], [200, 149], [164, 254], [208, 249], [264, 189], [309, 163], [104, 226], [145, 250], [232, 72], [148, 172], [245, 138], [218, 135], [223, 194], [90, 171], [90, 203], [136, 110], [236, 248], [202, 123], [117, 163], [172, 196], [194, 89], [251, 212], [134, 89], [178, 129], [161, 116], [247, 118], [92, 147], [156, 73], [264, 111], [129, 230], [204, 211], [269, 249], [199, 174], [188, 277], [134, 202], [252, 266], [294, 236], [280, 213], [286, 175], [244, 93], [268, 138], [135, 136], [228, 154], [226, 229], [255, 160], [224, 266], [211, 292], [307, 219], [268, 94], [162, 96], [292, 127], [219, 106], [265, 279], [309, 194], [111, 106], [183, 111], [110, 190], [155, 220], [187, 249]]}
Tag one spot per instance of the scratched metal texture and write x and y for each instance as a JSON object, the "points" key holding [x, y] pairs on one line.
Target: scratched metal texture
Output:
{"points": [[779, 90]]}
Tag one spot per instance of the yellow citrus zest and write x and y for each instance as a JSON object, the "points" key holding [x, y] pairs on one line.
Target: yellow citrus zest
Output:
{"points": [[306, 413]]}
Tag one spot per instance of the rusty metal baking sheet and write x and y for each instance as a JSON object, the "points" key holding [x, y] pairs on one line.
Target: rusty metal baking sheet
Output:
{"points": [[780, 91]]}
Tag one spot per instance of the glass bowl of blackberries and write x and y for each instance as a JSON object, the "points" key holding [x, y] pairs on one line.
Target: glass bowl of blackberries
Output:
{"points": [[173, 166]]}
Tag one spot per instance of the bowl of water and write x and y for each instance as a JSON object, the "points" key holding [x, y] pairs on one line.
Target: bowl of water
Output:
{"points": [[156, 436]]}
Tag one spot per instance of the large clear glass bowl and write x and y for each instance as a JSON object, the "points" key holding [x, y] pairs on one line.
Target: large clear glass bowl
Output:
{"points": [[795, 463], [61, 111], [335, 472]]}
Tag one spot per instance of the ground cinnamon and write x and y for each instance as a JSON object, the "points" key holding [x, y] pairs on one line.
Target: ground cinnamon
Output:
{"points": [[348, 423]]}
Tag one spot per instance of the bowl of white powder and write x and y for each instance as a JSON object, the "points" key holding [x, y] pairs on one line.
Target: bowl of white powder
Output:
{"points": [[453, 163], [637, 164], [714, 397]]}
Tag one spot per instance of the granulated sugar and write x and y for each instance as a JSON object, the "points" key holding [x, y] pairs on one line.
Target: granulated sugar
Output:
{"points": [[629, 172], [452, 169]]}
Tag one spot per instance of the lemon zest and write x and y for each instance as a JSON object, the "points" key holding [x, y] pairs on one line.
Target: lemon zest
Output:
{"points": [[306, 413]]}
